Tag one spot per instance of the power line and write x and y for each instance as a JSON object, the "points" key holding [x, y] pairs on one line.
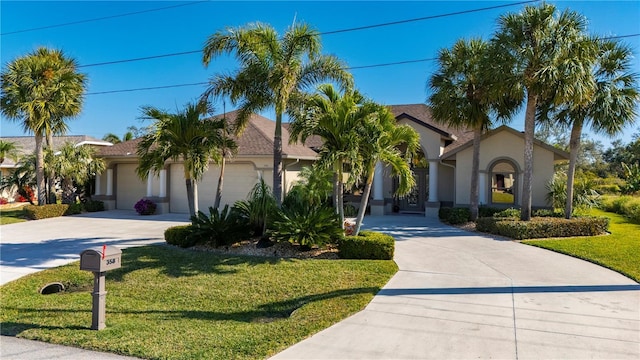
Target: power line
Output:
{"points": [[426, 18], [620, 36], [145, 88], [326, 32], [101, 18]]}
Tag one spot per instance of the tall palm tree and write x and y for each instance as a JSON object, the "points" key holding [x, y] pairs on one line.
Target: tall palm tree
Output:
{"points": [[461, 98], [181, 136], [380, 140], [539, 55], [335, 118], [41, 89], [612, 107], [75, 165], [272, 70], [8, 149], [227, 148]]}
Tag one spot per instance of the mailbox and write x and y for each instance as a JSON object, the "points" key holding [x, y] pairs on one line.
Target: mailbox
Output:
{"points": [[100, 258]]}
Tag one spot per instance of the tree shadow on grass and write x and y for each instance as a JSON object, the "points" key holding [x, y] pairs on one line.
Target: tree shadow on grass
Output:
{"points": [[16, 328], [268, 312]]}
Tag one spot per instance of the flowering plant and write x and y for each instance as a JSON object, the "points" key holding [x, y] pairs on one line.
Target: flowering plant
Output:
{"points": [[145, 207], [349, 227]]}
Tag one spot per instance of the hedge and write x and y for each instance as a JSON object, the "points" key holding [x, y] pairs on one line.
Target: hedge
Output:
{"points": [[454, 215], [37, 212], [543, 227], [179, 236], [93, 205], [367, 245], [628, 206]]}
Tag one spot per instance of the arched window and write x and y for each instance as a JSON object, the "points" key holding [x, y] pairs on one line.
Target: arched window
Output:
{"points": [[503, 182]]}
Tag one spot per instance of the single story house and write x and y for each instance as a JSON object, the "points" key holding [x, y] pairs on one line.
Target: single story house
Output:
{"points": [[27, 144], [442, 171]]}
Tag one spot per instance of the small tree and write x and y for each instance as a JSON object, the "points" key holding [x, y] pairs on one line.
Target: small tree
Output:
{"points": [[75, 165]]}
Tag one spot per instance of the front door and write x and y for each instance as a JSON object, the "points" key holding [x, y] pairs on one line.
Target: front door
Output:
{"points": [[414, 201]]}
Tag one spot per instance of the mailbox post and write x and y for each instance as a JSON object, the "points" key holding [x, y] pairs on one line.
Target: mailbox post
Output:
{"points": [[99, 260]]}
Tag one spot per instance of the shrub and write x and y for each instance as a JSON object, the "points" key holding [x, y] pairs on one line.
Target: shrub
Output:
{"points": [[629, 206], [145, 207], [35, 212], [3, 201], [544, 227], [179, 236], [350, 210], [508, 213], [485, 211], [219, 228], [367, 245], [25, 194], [631, 209], [257, 208], [454, 216], [546, 213], [306, 225], [93, 205]]}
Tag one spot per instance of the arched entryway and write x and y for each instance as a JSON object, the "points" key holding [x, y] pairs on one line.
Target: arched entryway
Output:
{"points": [[503, 185]]}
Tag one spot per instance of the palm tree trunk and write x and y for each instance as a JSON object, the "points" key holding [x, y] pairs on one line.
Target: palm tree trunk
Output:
{"points": [[574, 148], [195, 196], [475, 167], [529, 129], [216, 204], [190, 200], [364, 201], [277, 160], [336, 181], [40, 181], [51, 174], [341, 200]]}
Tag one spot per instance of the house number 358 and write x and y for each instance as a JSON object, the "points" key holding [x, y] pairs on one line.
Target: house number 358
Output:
{"points": [[111, 261]]}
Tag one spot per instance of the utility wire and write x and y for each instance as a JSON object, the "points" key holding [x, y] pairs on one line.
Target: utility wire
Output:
{"points": [[101, 18], [326, 32]]}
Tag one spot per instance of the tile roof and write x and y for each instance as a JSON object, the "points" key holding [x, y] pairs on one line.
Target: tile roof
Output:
{"points": [[256, 140], [27, 144]]}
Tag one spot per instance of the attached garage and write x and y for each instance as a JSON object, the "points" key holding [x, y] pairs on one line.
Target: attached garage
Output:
{"points": [[129, 187]]}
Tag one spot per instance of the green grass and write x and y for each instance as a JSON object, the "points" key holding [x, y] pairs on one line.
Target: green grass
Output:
{"points": [[619, 251], [12, 216], [501, 198], [171, 303]]}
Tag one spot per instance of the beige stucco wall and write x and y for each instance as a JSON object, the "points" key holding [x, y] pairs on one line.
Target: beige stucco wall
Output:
{"points": [[429, 140], [509, 146], [446, 183], [128, 186]]}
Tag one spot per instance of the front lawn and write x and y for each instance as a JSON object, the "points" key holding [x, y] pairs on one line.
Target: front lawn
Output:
{"points": [[619, 251], [11, 215], [180, 304]]}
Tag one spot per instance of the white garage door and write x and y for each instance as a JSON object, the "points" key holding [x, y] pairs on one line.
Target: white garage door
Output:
{"points": [[129, 187]]}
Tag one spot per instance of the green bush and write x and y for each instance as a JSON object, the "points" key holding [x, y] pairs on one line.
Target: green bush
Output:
{"points": [[306, 225], [486, 211], [544, 227], [454, 216], [367, 245], [629, 206], [93, 205], [258, 207], [37, 212], [179, 236], [350, 210], [508, 213], [219, 228], [547, 213]]}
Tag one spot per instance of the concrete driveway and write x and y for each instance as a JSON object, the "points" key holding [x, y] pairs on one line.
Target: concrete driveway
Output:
{"points": [[37, 245], [460, 295]]}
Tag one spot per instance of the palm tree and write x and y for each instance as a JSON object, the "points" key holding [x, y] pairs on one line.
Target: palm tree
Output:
{"points": [[461, 98], [181, 136], [114, 139], [227, 147], [75, 165], [8, 149], [538, 55], [336, 119], [380, 140], [41, 89], [608, 111], [272, 71]]}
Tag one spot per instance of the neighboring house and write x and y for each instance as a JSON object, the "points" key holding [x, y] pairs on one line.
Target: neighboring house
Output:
{"points": [[442, 169], [27, 145]]}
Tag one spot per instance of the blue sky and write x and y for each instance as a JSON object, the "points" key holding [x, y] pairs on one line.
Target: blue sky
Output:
{"points": [[185, 28]]}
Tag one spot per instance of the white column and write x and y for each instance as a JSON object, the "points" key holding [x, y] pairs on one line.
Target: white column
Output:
{"points": [[163, 183], [433, 180], [378, 179], [109, 191], [150, 184], [98, 190], [482, 188]]}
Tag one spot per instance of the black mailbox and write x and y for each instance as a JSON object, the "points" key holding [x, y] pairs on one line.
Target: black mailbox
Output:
{"points": [[100, 258]]}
